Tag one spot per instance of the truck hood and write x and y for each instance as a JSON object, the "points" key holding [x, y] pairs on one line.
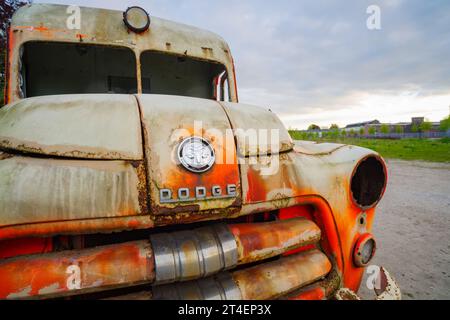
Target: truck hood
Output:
{"points": [[106, 126], [98, 156], [97, 126]]}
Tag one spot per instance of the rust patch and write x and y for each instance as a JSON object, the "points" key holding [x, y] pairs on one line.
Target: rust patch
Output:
{"points": [[73, 272], [157, 210], [260, 241], [274, 279], [99, 225], [191, 217], [4, 155], [141, 172]]}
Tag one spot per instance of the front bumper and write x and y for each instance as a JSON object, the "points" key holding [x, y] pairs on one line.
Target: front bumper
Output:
{"points": [[249, 261], [387, 289]]}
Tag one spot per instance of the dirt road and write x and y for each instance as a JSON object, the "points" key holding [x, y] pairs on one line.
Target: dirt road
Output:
{"points": [[412, 228]]}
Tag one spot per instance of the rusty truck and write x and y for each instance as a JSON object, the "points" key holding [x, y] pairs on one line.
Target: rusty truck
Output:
{"points": [[128, 168]]}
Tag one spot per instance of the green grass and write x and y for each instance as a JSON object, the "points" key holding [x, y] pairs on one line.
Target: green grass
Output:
{"points": [[406, 149]]}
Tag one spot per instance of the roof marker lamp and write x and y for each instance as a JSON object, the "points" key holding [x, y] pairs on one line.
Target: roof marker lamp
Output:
{"points": [[136, 19]]}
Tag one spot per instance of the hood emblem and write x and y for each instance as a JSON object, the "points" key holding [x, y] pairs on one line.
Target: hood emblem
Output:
{"points": [[196, 154]]}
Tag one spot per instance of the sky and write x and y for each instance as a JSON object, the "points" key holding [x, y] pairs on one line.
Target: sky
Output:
{"points": [[316, 61]]}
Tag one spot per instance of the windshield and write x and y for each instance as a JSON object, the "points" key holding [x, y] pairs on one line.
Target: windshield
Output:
{"points": [[61, 68], [49, 68], [174, 75]]}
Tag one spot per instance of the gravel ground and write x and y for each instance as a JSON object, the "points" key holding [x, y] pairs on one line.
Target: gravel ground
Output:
{"points": [[412, 228]]}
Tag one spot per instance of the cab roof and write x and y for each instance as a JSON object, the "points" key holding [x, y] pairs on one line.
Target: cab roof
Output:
{"points": [[48, 22]]}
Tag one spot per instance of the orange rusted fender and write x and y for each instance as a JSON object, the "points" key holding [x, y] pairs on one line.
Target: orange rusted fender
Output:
{"points": [[277, 278], [74, 272], [257, 241]]}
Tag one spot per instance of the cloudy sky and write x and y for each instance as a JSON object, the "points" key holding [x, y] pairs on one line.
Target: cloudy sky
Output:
{"points": [[315, 61]]}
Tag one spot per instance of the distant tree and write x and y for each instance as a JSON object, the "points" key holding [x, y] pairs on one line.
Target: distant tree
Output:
{"points": [[352, 133], [384, 129], [334, 126], [414, 128], [7, 9], [361, 131], [313, 127], [399, 129], [425, 126], [445, 124], [334, 133], [372, 130]]}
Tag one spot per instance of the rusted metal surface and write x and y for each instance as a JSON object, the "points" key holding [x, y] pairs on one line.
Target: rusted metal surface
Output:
{"points": [[320, 172], [81, 126], [258, 241], [320, 290], [87, 226], [346, 294], [24, 246], [174, 257], [36, 199], [39, 190], [388, 289], [167, 120], [74, 272], [258, 131], [265, 281], [274, 279], [45, 22]]}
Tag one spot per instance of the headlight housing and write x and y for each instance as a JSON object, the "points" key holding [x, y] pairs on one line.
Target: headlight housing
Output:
{"points": [[368, 181]]}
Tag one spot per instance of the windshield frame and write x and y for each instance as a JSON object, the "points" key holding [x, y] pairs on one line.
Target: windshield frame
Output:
{"points": [[12, 87]]}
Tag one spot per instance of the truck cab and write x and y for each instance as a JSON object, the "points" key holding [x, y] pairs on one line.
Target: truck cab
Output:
{"points": [[128, 165]]}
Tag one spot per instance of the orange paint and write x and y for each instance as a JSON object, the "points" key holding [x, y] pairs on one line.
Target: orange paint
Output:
{"points": [[317, 293], [16, 247], [88, 269], [257, 241]]}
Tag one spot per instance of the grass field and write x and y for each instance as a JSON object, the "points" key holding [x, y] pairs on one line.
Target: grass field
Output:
{"points": [[406, 149]]}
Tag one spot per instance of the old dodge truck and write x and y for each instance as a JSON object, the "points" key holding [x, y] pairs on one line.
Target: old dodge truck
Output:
{"points": [[129, 169]]}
